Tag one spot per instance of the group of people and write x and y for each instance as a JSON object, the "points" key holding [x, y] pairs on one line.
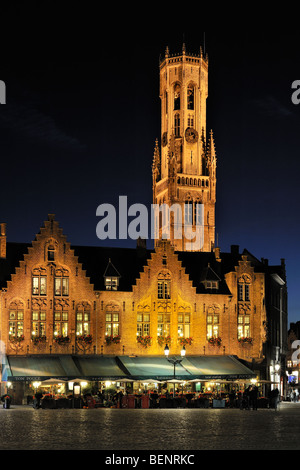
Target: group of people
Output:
{"points": [[249, 398]]}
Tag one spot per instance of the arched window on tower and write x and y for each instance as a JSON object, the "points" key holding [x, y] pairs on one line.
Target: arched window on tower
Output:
{"points": [[177, 91], [190, 97]]}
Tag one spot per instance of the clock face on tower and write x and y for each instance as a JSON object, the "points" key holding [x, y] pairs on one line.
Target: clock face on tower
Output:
{"points": [[191, 135]]}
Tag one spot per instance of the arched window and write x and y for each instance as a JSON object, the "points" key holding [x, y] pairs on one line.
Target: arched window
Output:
{"points": [[244, 288], [164, 286], [190, 97], [177, 92]]}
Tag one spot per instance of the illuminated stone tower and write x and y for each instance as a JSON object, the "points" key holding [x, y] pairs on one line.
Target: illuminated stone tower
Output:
{"points": [[184, 168]]}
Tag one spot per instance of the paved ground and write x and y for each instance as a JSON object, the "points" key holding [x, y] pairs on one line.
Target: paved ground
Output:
{"points": [[23, 428]]}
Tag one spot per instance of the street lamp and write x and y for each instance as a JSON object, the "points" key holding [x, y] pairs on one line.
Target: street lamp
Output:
{"points": [[175, 362]]}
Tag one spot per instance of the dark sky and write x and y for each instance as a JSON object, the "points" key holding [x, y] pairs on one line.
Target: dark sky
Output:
{"points": [[83, 113]]}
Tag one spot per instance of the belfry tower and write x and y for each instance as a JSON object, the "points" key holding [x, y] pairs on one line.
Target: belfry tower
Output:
{"points": [[184, 167]]}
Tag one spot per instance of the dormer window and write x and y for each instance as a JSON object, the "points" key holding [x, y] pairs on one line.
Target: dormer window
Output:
{"points": [[210, 279], [212, 285], [111, 283], [111, 277]]}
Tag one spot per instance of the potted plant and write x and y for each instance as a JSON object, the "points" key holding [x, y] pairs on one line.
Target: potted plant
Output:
{"points": [[215, 341], [110, 339], [144, 341], [245, 340], [185, 341], [37, 340], [16, 339], [60, 339], [164, 340]]}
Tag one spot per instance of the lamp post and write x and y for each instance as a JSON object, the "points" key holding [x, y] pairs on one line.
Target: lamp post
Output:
{"points": [[175, 362]]}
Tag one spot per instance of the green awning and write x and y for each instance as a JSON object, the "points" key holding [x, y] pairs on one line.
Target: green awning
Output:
{"points": [[41, 367], [99, 368], [217, 367], [153, 367]]}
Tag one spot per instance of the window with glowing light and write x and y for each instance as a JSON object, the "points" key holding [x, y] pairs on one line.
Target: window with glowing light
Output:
{"points": [[112, 324], [163, 324], [212, 326], [143, 324], [243, 326], [83, 320], [61, 323], [38, 323], [184, 322], [16, 323]]}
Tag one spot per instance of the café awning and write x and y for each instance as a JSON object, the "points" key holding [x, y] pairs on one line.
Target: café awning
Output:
{"points": [[122, 368], [153, 367], [65, 367], [190, 369], [97, 368], [22, 368], [217, 367]]}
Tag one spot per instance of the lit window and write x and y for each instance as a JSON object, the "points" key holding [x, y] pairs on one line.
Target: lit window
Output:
{"points": [[111, 283], [83, 321], [143, 324], [61, 323], [164, 289], [38, 323], [112, 324], [243, 326], [39, 285], [184, 321], [61, 286], [16, 325], [212, 326], [163, 324]]}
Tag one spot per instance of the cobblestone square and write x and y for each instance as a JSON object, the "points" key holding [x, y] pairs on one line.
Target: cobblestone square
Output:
{"points": [[24, 428]]}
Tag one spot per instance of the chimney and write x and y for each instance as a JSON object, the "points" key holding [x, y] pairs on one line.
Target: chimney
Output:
{"points": [[2, 240], [217, 254]]}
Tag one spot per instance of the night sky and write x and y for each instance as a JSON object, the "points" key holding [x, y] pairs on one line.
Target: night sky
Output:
{"points": [[83, 113]]}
